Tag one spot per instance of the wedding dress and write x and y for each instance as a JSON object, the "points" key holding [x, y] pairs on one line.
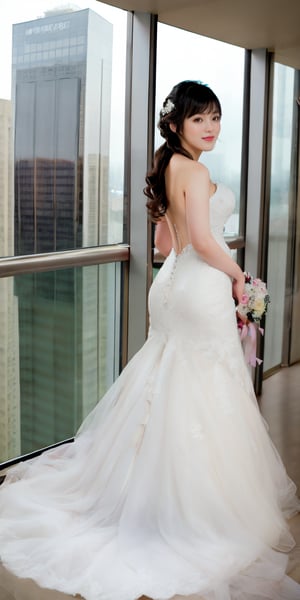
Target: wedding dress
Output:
{"points": [[172, 487]]}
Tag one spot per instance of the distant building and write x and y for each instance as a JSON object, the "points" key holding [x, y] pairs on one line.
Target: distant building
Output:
{"points": [[61, 98]]}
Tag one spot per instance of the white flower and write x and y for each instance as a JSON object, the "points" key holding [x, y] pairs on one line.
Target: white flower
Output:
{"points": [[169, 106]]}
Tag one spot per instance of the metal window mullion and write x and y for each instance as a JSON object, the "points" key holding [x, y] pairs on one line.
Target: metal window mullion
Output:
{"points": [[259, 90], [244, 160], [256, 213], [141, 114]]}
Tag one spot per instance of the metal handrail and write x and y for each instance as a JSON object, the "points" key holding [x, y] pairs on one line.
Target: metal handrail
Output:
{"points": [[18, 265], [234, 243]]}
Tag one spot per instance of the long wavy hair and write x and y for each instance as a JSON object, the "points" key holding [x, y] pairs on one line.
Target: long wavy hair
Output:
{"points": [[186, 99]]}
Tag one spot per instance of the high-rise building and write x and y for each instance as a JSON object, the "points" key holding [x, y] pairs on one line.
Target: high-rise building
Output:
{"points": [[61, 100], [9, 339]]}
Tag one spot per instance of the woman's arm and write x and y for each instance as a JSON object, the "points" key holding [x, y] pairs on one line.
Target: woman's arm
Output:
{"points": [[162, 238], [197, 191]]}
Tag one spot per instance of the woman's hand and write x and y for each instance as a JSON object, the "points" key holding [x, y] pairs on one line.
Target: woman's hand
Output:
{"points": [[242, 318], [238, 287]]}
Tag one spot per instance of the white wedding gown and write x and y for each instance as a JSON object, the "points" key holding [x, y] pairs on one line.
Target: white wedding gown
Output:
{"points": [[172, 486]]}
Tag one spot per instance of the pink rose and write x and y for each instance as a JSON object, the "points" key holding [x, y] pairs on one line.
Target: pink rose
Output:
{"points": [[245, 299]]}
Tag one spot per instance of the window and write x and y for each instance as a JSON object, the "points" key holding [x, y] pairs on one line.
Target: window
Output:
{"points": [[283, 180], [96, 36], [212, 62]]}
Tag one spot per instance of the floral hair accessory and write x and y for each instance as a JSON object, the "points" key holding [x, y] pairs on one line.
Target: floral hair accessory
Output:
{"points": [[169, 106]]}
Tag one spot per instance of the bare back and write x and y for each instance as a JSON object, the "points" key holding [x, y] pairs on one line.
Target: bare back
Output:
{"points": [[175, 181]]}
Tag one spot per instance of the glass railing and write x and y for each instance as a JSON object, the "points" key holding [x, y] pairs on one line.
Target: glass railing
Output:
{"points": [[60, 345]]}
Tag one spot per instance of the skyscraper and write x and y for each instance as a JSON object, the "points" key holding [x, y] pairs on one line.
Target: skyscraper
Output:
{"points": [[61, 100]]}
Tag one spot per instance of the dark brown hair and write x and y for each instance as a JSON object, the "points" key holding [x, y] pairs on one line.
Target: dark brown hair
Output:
{"points": [[186, 99]]}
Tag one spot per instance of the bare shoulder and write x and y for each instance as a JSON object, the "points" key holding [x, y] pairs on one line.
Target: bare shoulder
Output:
{"points": [[186, 179], [185, 168], [198, 171]]}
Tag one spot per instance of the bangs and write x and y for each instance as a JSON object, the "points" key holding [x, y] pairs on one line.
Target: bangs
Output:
{"points": [[210, 106], [199, 99]]}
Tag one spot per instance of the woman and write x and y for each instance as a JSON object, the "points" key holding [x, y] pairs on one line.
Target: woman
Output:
{"points": [[172, 486]]}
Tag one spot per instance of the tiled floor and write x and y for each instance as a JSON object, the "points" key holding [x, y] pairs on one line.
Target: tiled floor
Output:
{"points": [[280, 405]]}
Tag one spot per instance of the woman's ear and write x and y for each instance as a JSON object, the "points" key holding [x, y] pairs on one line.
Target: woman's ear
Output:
{"points": [[173, 127]]}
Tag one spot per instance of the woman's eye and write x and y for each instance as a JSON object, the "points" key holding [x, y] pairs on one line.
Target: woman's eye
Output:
{"points": [[197, 120], [217, 118]]}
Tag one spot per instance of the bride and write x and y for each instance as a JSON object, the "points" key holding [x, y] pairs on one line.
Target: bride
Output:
{"points": [[172, 487]]}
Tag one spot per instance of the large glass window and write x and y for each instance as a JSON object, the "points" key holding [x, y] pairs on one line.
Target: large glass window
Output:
{"points": [[212, 62], [62, 130], [62, 104], [59, 352], [282, 199]]}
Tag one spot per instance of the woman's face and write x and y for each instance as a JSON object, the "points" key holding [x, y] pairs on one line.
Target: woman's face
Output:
{"points": [[200, 132]]}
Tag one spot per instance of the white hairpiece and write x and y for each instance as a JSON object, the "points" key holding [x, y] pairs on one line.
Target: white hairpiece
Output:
{"points": [[169, 106]]}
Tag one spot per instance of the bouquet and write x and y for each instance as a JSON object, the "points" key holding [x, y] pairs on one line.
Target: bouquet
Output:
{"points": [[252, 308]]}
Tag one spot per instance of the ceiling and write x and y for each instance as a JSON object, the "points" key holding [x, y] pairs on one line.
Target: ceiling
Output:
{"points": [[272, 24]]}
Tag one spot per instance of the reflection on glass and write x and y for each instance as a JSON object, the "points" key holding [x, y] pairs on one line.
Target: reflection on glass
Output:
{"points": [[67, 130], [281, 186], [59, 352], [212, 62], [48, 199]]}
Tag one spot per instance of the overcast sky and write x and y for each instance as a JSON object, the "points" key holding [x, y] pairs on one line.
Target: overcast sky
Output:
{"points": [[17, 11]]}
